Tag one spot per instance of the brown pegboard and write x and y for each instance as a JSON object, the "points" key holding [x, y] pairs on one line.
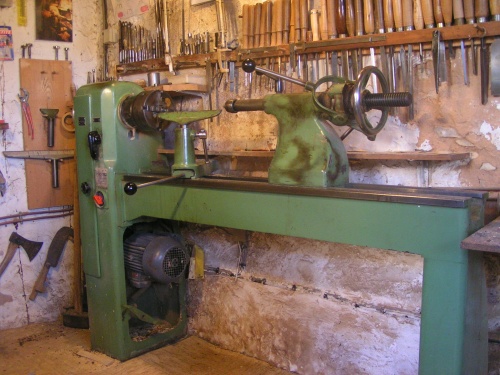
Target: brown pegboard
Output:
{"points": [[49, 84]]}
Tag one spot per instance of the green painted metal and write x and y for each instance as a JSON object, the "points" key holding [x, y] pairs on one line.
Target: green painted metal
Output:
{"points": [[309, 152], [185, 118], [432, 232], [184, 156], [103, 228], [453, 325]]}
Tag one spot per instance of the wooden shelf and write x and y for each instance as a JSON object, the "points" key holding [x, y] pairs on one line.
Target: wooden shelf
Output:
{"points": [[485, 239], [352, 155], [179, 87]]}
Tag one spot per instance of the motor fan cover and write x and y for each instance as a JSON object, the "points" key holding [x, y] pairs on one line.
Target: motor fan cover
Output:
{"points": [[162, 258]]}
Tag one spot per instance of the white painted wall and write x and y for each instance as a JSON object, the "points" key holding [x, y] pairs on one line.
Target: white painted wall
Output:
{"points": [[16, 283]]}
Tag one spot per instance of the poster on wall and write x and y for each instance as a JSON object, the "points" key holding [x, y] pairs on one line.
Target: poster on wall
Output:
{"points": [[54, 20], [6, 50]]}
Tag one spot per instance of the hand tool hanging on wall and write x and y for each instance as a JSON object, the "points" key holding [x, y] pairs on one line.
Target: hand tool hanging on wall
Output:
{"points": [[53, 157], [53, 255], [483, 56], [27, 111], [56, 49], [31, 247], [3, 184], [495, 67], [50, 114]]}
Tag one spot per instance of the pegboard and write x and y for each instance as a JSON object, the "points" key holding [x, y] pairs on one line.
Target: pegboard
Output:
{"points": [[49, 84]]}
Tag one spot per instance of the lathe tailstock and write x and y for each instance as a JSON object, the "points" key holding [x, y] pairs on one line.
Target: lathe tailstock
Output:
{"points": [[134, 308]]}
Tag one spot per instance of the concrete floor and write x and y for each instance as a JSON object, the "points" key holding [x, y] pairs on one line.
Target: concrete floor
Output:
{"points": [[54, 349]]}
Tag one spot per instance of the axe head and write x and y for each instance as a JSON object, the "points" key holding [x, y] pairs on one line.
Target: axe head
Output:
{"points": [[31, 247]]}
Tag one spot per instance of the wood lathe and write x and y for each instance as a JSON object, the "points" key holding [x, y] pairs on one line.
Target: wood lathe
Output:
{"points": [[130, 197]]}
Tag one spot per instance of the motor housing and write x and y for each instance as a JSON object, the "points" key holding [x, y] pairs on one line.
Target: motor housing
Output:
{"points": [[153, 257]]}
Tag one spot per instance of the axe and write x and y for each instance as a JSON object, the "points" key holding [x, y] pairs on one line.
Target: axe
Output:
{"points": [[31, 247]]}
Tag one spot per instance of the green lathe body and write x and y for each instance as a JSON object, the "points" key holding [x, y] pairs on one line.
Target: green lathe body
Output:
{"points": [[428, 222]]}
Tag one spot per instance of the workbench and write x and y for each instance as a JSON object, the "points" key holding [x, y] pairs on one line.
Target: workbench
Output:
{"points": [[428, 222]]}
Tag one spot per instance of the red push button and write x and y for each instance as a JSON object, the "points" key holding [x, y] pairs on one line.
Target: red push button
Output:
{"points": [[99, 199]]}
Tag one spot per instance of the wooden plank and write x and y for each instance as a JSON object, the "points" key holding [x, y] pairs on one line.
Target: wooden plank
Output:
{"points": [[411, 156], [352, 155], [485, 239], [49, 86]]}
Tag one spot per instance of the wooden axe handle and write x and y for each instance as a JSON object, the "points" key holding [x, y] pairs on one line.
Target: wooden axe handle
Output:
{"points": [[11, 250]]}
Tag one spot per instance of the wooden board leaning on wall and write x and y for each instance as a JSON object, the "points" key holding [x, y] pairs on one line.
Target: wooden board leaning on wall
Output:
{"points": [[49, 84]]}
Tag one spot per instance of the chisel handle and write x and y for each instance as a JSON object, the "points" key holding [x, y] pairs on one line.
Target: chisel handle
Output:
{"points": [[458, 12], [303, 20], [407, 12], [418, 20], [349, 17], [388, 16], [291, 37], [481, 10], [269, 22], [286, 20], [495, 10], [438, 13], [368, 19], [330, 12], [296, 15], [324, 21], [274, 24], [251, 23], [397, 10], [428, 13], [340, 17], [358, 17], [257, 34], [378, 6], [469, 11], [314, 17], [447, 9], [244, 26], [262, 31]]}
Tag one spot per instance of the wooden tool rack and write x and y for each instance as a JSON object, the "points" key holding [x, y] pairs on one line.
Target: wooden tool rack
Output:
{"points": [[469, 33]]}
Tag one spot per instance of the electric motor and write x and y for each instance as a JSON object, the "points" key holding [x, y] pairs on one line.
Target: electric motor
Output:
{"points": [[153, 257]]}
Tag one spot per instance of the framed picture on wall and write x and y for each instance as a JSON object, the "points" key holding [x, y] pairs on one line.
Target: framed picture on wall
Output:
{"points": [[54, 20]]}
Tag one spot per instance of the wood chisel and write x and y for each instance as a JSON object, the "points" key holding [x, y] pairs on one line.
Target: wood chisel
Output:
{"points": [[389, 28], [438, 59], [495, 67], [483, 56], [351, 31], [447, 9], [459, 19], [340, 23]]}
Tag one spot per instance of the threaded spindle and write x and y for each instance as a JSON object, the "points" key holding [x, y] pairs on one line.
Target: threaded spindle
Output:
{"points": [[396, 99]]}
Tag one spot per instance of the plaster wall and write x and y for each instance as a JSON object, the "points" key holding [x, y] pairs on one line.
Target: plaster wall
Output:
{"points": [[17, 282]]}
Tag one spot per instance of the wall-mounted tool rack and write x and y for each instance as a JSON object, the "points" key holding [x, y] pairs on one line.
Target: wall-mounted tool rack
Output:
{"points": [[468, 33]]}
